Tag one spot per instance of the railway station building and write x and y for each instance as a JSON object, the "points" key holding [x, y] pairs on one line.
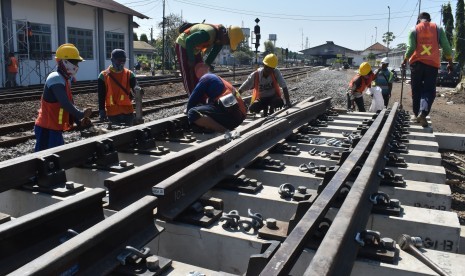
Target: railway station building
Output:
{"points": [[33, 29]]}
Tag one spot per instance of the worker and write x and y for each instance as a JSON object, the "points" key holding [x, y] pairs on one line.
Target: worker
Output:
{"points": [[114, 91], [424, 57], [12, 68], [214, 103], [57, 112], [359, 83], [266, 83], [384, 79], [196, 40]]}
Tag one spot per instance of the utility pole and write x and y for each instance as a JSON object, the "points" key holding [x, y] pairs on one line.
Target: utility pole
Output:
{"points": [[376, 34], [163, 38], [388, 33], [302, 38], [419, 6], [151, 34]]}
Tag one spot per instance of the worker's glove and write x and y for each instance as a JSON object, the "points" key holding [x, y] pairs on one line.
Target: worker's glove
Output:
{"points": [[102, 115], [88, 112], [85, 122]]}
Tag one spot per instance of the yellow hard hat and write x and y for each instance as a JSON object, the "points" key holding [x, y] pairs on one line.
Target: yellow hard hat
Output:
{"points": [[271, 60], [364, 69], [68, 51], [235, 36]]}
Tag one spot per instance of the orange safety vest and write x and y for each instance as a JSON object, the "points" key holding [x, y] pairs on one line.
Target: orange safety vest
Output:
{"points": [[13, 66], [117, 100], [256, 90], [365, 83], [228, 89], [427, 50], [205, 45], [53, 116]]}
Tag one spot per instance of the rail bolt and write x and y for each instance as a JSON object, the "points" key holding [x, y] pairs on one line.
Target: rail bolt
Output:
{"points": [[208, 211], [253, 182], [123, 163], [271, 223], [302, 189], [161, 148], [69, 185], [152, 262]]}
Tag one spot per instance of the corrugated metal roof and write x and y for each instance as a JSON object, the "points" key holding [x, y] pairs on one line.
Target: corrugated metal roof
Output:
{"points": [[109, 5]]}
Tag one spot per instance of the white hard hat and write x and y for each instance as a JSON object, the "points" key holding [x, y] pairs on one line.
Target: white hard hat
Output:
{"points": [[385, 60]]}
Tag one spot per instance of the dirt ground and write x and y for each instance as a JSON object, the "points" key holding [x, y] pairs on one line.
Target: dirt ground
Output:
{"points": [[447, 115]]}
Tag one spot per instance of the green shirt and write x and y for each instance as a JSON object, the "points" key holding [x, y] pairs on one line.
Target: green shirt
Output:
{"points": [[200, 34]]}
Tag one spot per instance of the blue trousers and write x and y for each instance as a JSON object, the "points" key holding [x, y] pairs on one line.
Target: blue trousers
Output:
{"points": [[423, 82], [47, 138]]}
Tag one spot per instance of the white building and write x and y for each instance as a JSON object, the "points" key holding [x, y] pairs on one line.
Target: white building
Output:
{"points": [[33, 30]]}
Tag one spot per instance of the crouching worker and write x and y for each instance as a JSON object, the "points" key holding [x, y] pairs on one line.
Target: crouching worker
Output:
{"points": [[358, 85], [57, 112], [214, 103], [266, 83]]}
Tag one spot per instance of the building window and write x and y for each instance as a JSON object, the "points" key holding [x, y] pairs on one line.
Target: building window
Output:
{"points": [[113, 41], [82, 39], [34, 40]]}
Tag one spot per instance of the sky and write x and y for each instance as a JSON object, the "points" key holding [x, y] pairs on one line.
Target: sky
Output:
{"points": [[299, 24]]}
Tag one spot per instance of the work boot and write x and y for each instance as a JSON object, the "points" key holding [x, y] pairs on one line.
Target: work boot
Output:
{"points": [[422, 120]]}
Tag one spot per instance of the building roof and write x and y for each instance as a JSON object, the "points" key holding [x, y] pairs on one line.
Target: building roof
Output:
{"points": [[143, 46], [377, 47], [329, 49], [109, 5]]}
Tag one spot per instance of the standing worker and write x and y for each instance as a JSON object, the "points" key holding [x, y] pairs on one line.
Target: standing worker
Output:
{"points": [[384, 79], [359, 83], [214, 103], [196, 40], [57, 112], [423, 50], [12, 68], [266, 83], [114, 91]]}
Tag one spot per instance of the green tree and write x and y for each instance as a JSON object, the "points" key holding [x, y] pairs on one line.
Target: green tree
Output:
{"points": [[172, 23], [134, 37], [243, 54], [460, 33], [448, 21], [401, 46], [269, 48], [143, 37], [388, 37]]}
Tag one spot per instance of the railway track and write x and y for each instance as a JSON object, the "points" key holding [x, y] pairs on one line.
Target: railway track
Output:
{"points": [[85, 87], [304, 191], [13, 134]]}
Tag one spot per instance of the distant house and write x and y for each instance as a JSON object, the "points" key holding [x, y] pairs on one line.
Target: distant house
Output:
{"points": [[376, 49], [330, 52], [142, 48]]}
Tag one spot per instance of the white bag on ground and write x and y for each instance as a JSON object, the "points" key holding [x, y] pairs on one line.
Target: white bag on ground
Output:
{"points": [[377, 101]]}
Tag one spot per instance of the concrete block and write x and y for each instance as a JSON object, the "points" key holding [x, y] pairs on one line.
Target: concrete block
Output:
{"points": [[424, 173], [451, 141], [422, 157]]}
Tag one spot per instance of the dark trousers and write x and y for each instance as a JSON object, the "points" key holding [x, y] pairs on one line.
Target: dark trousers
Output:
{"points": [[358, 101], [386, 99], [264, 104], [423, 81]]}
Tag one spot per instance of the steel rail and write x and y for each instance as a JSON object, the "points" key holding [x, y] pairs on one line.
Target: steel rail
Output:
{"points": [[182, 189], [338, 250], [75, 154], [283, 260], [95, 251], [28, 237], [126, 187]]}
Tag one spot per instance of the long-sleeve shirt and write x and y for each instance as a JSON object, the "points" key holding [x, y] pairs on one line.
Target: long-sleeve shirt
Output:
{"points": [[209, 85], [265, 85], [200, 34], [55, 91], [412, 43]]}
